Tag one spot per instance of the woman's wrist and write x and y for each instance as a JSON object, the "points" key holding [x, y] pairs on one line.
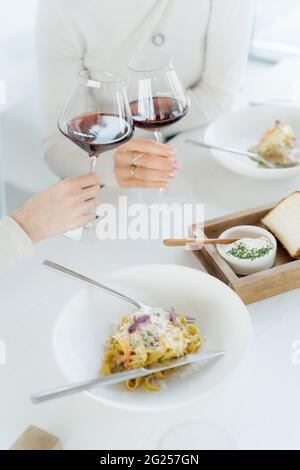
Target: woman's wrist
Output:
{"points": [[24, 222]]}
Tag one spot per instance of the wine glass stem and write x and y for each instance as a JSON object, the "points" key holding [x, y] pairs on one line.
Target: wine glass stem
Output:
{"points": [[159, 139], [92, 161]]}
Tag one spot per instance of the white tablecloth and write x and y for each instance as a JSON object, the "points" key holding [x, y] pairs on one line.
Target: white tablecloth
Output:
{"points": [[259, 406], [2, 179]]}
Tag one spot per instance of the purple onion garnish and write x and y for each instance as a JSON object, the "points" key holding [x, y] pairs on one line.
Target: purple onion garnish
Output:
{"points": [[174, 316], [138, 321]]}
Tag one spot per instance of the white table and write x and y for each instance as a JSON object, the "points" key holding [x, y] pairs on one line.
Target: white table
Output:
{"points": [[2, 187], [259, 406], [2, 179]]}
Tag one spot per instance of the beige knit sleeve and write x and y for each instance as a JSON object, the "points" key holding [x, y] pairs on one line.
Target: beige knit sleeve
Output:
{"points": [[15, 244]]}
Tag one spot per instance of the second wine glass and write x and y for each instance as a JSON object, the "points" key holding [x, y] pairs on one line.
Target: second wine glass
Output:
{"points": [[157, 100]]}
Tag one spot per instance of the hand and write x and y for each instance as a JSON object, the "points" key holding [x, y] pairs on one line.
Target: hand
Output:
{"points": [[154, 164], [62, 207]]}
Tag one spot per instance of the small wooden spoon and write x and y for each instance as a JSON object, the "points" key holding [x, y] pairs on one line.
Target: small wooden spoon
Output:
{"points": [[206, 241]]}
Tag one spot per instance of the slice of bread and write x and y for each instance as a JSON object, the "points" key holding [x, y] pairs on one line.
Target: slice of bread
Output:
{"points": [[284, 222]]}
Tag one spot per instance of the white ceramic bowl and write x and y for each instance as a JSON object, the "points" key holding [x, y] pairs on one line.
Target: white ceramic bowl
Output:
{"points": [[87, 319], [243, 129], [247, 266]]}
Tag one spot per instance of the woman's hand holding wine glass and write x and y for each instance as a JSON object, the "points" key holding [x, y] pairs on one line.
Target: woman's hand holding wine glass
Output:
{"points": [[64, 206], [145, 164]]}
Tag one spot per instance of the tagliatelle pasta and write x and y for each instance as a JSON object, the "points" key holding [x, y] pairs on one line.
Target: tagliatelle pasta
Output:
{"points": [[146, 338]]}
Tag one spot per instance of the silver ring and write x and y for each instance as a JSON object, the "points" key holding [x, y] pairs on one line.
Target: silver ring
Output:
{"points": [[135, 159], [132, 171]]}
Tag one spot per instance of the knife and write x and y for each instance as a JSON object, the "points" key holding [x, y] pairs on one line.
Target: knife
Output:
{"points": [[121, 376]]}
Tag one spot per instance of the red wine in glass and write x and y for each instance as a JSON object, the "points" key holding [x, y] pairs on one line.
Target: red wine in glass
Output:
{"points": [[96, 133], [164, 112]]}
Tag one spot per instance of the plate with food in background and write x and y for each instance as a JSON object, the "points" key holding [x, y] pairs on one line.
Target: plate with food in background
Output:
{"points": [[271, 132]]}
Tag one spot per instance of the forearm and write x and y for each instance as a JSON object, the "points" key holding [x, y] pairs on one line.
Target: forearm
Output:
{"points": [[15, 244]]}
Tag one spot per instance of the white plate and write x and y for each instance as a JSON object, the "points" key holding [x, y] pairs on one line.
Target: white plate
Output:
{"points": [[86, 321], [243, 129]]}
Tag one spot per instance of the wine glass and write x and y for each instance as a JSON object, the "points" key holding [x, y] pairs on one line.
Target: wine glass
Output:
{"points": [[157, 99], [97, 118], [198, 435]]}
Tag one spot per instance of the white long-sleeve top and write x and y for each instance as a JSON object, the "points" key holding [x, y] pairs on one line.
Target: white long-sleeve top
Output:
{"points": [[208, 41], [15, 244]]}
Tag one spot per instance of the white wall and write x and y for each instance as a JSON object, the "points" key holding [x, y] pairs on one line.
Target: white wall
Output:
{"points": [[17, 52], [16, 16], [19, 116]]}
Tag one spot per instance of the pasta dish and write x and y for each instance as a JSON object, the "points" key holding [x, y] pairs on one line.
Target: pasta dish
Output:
{"points": [[147, 338]]}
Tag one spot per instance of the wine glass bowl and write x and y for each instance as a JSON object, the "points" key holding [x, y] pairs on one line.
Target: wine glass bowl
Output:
{"points": [[97, 116], [157, 98]]}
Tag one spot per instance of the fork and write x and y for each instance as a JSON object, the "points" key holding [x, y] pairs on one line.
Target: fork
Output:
{"points": [[91, 282], [252, 155]]}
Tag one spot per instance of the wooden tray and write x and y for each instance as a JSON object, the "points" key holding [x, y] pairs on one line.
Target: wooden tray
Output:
{"points": [[284, 276]]}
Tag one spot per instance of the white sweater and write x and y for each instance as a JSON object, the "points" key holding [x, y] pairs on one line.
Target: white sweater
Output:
{"points": [[15, 245], [208, 41]]}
